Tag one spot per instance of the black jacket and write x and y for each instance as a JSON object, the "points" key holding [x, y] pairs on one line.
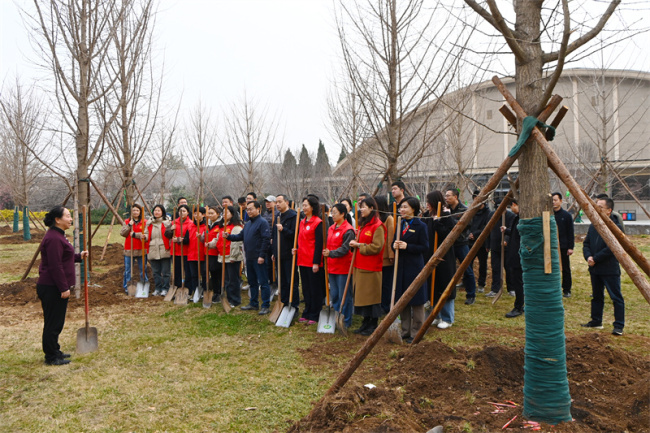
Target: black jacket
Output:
{"points": [[288, 221], [495, 235], [479, 222], [447, 267], [594, 246], [565, 233], [458, 213], [513, 260]]}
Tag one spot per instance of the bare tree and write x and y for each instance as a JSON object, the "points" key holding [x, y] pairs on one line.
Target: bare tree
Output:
{"points": [[399, 69], [22, 127], [136, 92], [250, 134], [200, 147], [75, 39]]}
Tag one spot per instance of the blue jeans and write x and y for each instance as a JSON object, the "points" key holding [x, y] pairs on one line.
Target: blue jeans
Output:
{"points": [[447, 312], [127, 268], [613, 285], [258, 277], [337, 286], [461, 252]]}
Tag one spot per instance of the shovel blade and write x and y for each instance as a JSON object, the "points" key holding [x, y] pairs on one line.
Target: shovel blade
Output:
{"points": [[181, 296], [197, 295], [340, 324], [142, 290], [207, 299], [87, 340], [132, 288], [275, 312], [394, 333], [170, 294], [326, 325], [225, 304], [286, 317]]}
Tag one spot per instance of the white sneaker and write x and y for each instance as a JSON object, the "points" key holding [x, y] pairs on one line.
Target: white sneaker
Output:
{"points": [[436, 322], [163, 293], [245, 288], [444, 325], [156, 293], [511, 293]]}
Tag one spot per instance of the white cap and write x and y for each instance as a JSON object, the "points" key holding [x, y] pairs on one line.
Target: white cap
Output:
{"points": [[270, 198]]}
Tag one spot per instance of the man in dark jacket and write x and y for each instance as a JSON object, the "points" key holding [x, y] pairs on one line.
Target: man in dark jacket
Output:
{"points": [[461, 247], [566, 236], [494, 243], [271, 216], [476, 227], [256, 238], [514, 272], [605, 272], [285, 228]]}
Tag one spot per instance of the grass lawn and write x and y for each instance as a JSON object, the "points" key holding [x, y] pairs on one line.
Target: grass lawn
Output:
{"points": [[164, 368]]}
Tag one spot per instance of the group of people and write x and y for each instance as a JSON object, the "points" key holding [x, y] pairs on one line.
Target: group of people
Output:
{"points": [[364, 253]]}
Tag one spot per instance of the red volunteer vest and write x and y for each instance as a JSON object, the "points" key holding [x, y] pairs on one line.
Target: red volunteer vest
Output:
{"points": [[180, 232], [195, 244], [213, 233], [307, 240], [338, 265], [375, 262], [137, 243], [220, 240]]}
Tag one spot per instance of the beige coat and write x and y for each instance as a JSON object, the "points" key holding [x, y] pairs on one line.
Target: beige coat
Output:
{"points": [[367, 284], [389, 254], [124, 232], [157, 250], [236, 250]]}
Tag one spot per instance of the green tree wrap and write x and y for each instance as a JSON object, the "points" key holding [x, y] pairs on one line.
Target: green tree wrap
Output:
{"points": [[546, 387]]}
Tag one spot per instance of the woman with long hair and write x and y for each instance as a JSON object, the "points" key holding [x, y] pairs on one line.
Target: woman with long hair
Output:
{"points": [[134, 230], [339, 257], [310, 260], [180, 232], [413, 244], [159, 255], [387, 219], [233, 255], [210, 239], [368, 266], [447, 267], [56, 278]]}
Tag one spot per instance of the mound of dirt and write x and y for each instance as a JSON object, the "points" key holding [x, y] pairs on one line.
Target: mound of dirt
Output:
{"points": [[433, 384], [17, 238]]}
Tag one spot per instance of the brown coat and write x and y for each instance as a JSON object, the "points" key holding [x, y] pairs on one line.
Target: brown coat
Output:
{"points": [[389, 254], [367, 284]]}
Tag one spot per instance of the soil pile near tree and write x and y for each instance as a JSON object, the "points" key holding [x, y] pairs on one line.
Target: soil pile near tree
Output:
{"points": [[433, 384]]}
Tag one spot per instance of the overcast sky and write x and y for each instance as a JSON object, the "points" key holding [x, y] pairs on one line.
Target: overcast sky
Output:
{"points": [[282, 53]]}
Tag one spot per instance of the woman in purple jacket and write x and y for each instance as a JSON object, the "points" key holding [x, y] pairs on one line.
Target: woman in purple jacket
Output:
{"points": [[56, 278]]}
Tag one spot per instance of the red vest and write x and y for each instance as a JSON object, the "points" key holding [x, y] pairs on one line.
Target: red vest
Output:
{"points": [[166, 241], [338, 265], [307, 241], [180, 232], [220, 239], [374, 262], [137, 243], [213, 233]]}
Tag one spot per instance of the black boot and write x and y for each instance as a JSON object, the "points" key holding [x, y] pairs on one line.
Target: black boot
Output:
{"points": [[372, 325], [364, 326]]}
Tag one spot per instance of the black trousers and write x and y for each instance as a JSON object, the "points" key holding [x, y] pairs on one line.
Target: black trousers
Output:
{"points": [[495, 260], [387, 288], [482, 256], [566, 271], [54, 309], [285, 275], [515, 281], [313, 290], [233, 282], [215, 275]]}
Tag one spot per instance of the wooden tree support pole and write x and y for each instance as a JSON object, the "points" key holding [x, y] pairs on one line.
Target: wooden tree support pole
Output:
{"points": [[610, 233], [627, 188], [478, 244], [146, 206], [108, 203], [465, 219], [118, 195]]}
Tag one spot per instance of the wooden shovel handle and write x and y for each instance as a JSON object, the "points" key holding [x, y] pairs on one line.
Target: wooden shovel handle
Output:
{"points": [[327, 282], [435, 247], [293, 257], [347, 281], [398, 229]]}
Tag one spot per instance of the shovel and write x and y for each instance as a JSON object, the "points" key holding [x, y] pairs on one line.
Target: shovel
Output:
{"points": [[278, 306], [326, 320], [394, 333], [172, 287], [288, 312], [142, 289], [224, 294], [183, 292], [131, 287], [86, 336], [340, 318], [207, 296]]}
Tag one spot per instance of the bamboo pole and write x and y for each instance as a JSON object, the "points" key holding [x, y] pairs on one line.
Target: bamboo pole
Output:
{"points": [[607, 229]]}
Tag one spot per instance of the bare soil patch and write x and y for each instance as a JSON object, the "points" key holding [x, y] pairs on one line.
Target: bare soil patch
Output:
{"points": [[8, 237], [433, 384]]}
